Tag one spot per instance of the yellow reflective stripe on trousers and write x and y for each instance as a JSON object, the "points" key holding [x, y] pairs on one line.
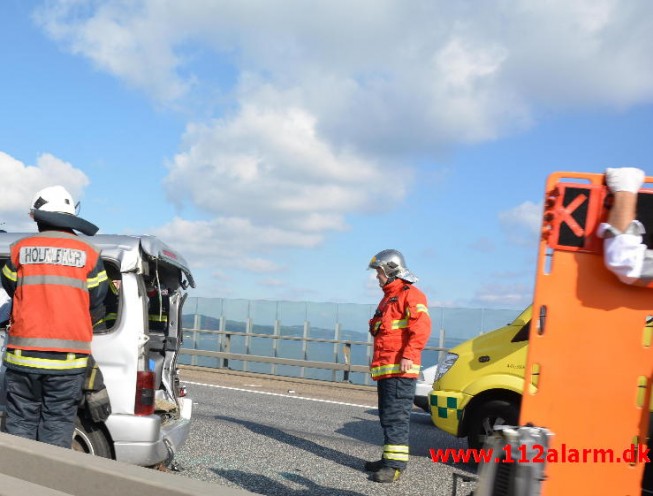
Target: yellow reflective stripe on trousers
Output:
{"points": [[397, 448], [395, 368], [71, 362], [396, 452], [9, 274], [156, 318], [90, 381]]}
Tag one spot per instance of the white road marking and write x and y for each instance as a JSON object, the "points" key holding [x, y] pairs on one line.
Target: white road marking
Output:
{"points": [[279, 394], [289, 396]]}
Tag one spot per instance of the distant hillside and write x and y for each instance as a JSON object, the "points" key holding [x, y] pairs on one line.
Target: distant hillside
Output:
{"points": [[208, 323]]}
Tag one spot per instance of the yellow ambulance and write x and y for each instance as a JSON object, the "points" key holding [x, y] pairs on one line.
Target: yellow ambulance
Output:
{"points": [[479, 383]]}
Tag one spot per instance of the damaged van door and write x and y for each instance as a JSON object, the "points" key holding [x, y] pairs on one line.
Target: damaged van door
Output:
{"points": [[136, 347]]}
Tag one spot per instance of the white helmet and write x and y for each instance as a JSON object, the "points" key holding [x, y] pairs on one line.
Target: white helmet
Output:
{"points": [[54, 206], [393, 265], [53, 199]]}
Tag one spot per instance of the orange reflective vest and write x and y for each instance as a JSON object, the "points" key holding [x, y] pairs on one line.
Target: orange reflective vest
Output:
{"points": [[401, 326], [55, 278]]}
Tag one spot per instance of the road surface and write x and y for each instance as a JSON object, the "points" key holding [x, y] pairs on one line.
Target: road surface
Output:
{"points": [[298, 438]]}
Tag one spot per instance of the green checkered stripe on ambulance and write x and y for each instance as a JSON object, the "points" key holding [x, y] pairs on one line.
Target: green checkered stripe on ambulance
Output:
{"points": [[446, 406]]}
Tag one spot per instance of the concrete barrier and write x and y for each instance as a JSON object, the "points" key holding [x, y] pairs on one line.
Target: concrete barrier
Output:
{"points": [[37, 469]]}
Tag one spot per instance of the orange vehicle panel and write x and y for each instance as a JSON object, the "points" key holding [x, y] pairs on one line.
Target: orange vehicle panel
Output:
{"points": [[589, 359]]}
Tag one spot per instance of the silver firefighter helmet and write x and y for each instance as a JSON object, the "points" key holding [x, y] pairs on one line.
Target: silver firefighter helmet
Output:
{"points": [[393, 265]]}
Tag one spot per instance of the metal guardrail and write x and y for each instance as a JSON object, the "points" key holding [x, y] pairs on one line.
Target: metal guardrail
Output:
{"points": [[225, 354], [33, 468]]}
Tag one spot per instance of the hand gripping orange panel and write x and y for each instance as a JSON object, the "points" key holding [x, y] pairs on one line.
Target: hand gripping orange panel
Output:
{"points": [[590, 357]]}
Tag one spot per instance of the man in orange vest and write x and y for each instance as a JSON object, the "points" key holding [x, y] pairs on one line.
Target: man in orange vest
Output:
{"points": [[401, 326], [57, 280]]}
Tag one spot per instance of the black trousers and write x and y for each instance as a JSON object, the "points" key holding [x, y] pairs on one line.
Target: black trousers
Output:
{"points": [[43, 407], [396, 396]]}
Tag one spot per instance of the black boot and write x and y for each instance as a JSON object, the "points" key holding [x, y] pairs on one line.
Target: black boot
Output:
{"points": [[373, 466], [387, 474]]}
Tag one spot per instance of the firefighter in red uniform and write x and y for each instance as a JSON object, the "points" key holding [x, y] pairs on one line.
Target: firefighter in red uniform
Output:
{"points": [[57, 280], [401, 326]]}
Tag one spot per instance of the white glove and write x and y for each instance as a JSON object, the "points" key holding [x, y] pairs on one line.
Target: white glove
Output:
{"points": [[624, 179]]}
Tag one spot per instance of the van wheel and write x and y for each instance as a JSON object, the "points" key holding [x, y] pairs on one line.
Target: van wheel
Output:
{"points": [[488, 415], [90, 438]]}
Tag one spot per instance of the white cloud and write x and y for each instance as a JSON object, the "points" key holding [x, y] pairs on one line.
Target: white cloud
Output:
{"points": [[495, 295], [221, 276], [380, 76], [273, 168], [522, 223], [225, 243], [432, 73], [301, 112], [20, 182], [122, 38], [259, 265], [372, 290], [272, 283]]}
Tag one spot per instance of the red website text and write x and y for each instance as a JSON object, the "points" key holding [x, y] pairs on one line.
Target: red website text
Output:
{"points": [[539, 454]]}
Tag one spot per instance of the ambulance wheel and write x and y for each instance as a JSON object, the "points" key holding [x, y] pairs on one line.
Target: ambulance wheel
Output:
{"points": [[91, 438], [486, 417]]}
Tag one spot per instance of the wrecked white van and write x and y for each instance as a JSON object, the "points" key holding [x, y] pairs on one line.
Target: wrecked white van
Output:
{"points": [[137, 352]]}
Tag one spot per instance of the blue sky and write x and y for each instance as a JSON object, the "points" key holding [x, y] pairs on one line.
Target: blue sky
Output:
{"points": [[279, 145]]}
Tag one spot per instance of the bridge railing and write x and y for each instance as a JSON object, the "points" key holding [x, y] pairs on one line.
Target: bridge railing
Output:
{"points": [[326, 341], [217, 345]]}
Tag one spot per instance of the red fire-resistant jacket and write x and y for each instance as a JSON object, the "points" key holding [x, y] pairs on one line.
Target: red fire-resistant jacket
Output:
{"points": [[401, 327], [55, 278]]}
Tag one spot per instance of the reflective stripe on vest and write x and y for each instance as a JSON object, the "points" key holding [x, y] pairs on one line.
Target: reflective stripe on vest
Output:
{"points": [[47, 343], [69, 363], [157, 318], [395, 368], [56, 280]]}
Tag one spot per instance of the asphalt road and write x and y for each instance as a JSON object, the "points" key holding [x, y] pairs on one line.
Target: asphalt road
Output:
{"points": [[300, 438]]}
